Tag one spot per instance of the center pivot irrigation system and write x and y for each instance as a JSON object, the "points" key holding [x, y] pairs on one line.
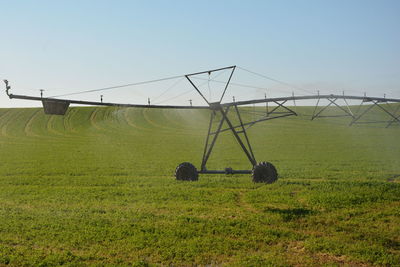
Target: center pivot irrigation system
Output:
{"points": [[227, 117]]}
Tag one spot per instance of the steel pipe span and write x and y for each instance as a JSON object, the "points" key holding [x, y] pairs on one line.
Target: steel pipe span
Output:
{"points": [[238, 103]]}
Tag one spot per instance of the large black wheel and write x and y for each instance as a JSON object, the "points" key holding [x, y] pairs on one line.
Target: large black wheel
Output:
{"points": [[264, 172], [186, 172]]}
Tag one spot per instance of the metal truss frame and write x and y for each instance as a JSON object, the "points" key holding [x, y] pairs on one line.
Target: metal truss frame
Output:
{"points": [[377, 103], [239, 131], [332, 101]]}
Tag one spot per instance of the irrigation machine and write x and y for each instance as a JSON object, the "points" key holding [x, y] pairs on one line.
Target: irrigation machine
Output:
{"points": [[227, 116]]}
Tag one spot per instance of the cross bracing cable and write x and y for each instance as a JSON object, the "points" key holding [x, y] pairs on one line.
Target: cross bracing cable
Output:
{"points": [[168, 89], [186, 92], [275, 80], [120, 86], [263, 89], [182, 76], [237, 84]]}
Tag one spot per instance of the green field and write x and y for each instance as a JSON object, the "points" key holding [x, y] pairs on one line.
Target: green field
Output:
{"points": [[96, 187]]}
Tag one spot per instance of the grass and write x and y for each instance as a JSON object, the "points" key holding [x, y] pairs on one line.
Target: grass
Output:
{"points": [[96, 187]]}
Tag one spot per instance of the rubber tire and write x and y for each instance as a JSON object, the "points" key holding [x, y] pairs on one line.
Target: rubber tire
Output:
{"points": [[264, 172], [186, 171]]}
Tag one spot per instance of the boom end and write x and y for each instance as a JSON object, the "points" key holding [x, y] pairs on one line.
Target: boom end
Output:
{"points": [[8, 87]]}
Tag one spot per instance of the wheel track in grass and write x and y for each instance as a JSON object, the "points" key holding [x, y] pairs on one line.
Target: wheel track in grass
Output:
{"points": [[151, 122], [139, 130], [28, 129], [146, 119], [51, 128], [169, 130], [128, 125], [80, 121], [167, 117], [4, 119], [143, 114], [240, 202], [108, 117], [26, 132], [129, 121], [4, 115], [131, 128], [28, 125], [112, 117], [67, 121], [93, 117], [189, 129], [205, 119], [71, 132], [118, 121], [73, 121], [180, 126], [12, 118]]}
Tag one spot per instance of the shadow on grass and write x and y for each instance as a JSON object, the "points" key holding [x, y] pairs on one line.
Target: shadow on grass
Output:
{"points": [[290, 214]]}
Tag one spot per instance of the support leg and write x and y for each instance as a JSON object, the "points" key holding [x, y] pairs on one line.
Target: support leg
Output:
{"points": [[315, 109], [359, 116], [208, 150], [319, 112], [387, 112], [249, 156], [244, 132]]}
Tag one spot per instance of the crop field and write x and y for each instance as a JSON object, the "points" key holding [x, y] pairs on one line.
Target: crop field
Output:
{"points": [[97, 187]]}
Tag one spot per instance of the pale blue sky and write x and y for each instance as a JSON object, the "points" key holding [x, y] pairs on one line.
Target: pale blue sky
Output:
{"points": [[317, 45]]}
